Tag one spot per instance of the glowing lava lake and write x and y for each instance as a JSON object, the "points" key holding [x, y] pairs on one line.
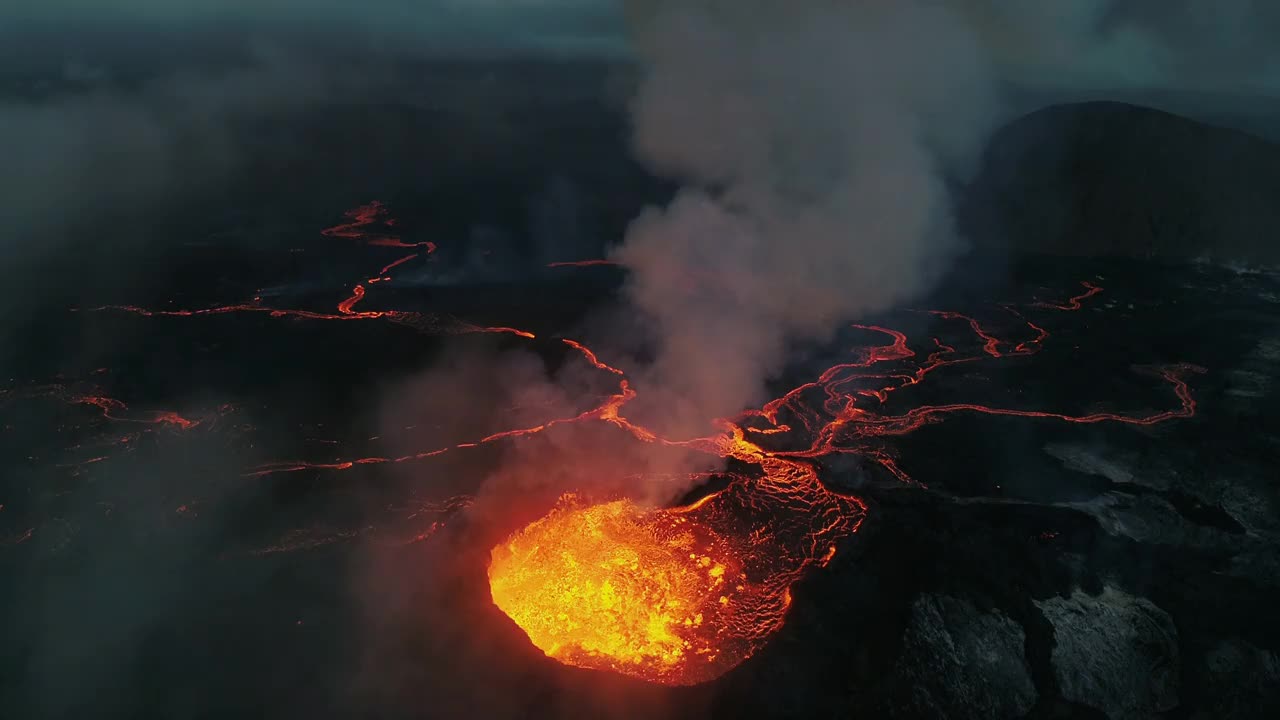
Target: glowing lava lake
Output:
{"points": [[674, 596]]}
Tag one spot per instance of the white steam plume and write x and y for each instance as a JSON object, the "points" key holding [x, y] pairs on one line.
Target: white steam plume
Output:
{"points": [[814, 140]]}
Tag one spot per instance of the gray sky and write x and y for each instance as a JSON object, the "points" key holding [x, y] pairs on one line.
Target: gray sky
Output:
{"points": [[585, 27], [1201, 45]]}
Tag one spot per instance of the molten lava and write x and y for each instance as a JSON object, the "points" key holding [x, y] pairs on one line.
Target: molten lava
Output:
{"points": [[612, 587], [674, 596]]}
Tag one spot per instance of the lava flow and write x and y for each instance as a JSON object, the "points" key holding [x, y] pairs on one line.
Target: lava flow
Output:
{"points": [[362, 219], [1073, 303], [585, 263], [111, 408], [366, 217], [680, 596]]}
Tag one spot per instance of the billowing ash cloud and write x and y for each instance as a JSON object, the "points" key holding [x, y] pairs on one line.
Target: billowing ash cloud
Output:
{"points": [[815, 140]]}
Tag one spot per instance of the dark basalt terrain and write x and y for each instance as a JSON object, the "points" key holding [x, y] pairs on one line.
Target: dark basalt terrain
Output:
{"points": [[1108, 179], [1046, 569], [1052, 570]]}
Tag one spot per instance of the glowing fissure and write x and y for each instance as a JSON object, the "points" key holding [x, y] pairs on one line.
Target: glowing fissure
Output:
{"points": [[598, 262], [111, 409], [1073, 303], [363, 220]]}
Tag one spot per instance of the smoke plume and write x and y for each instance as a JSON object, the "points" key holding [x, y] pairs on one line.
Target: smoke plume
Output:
{"points": [[815, 142]]}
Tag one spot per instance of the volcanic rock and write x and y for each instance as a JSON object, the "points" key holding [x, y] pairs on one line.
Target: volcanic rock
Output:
{"points": [[1255, 508], [1260, 565], [1242, 681], [1145, 518], [1115, 652], [1158, 499], [961, 662], [1089, 460], [1106, 178]]}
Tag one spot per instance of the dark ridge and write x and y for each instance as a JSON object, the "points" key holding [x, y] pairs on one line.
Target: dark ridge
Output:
{"points": [[1111, 179]]}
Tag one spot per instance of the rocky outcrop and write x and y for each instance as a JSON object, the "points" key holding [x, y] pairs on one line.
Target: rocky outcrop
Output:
{"points": [[1114, 652], [1241, 681], [961, 662], [1107, 178]]}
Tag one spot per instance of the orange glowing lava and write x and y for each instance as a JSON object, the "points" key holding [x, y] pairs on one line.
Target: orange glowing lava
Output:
{"points": [[1073, 303], [672, 596], [362, 218], [612, 587]]}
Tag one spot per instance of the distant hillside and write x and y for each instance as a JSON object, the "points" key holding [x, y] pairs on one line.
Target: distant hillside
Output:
{"points": [[1113, 179]]}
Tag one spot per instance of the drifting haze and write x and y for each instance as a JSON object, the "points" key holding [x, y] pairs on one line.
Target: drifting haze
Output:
{"points": [[96, 134], [1127, 45], [1090, 44], [79, 155]]}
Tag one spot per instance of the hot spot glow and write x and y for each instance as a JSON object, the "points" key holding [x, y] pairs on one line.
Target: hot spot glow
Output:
{"points": [[613, 587], [675, 596]]}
